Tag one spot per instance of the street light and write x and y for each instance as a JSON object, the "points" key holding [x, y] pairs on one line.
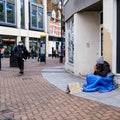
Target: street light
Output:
{"points": [[61, 4]]}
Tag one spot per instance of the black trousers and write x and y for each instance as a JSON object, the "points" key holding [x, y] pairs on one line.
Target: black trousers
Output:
{"points": [[20, 62]]}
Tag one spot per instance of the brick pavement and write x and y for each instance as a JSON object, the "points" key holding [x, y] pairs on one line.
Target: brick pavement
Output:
{"points": [[30, 97]]}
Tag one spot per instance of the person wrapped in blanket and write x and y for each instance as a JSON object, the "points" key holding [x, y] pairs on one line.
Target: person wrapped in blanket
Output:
{"points": [[102, 79]]}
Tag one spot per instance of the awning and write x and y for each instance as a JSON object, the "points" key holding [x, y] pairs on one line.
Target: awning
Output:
{"points": [[8, 40]]}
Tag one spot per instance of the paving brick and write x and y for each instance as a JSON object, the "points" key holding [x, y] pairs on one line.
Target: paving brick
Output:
{"points": [[31, 97]]}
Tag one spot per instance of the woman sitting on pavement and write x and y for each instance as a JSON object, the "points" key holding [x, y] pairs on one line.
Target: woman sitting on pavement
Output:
{"points": [[102, 79]]}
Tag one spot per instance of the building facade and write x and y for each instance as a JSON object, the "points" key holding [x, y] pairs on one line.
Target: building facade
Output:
{"points": [[54, 35], [24, 20], [54, 27], [92, 30]]}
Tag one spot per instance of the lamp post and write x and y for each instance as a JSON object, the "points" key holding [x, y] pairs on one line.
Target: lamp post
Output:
{"points": [[62, 53]]}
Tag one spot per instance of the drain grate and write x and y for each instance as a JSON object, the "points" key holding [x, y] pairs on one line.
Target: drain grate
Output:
{"points": [[9, 119], [26, 78], [5, 111]]}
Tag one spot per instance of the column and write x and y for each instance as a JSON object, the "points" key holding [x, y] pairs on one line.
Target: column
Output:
{"points": [[18, 39], [45, 14], [26, 6], [27, 43]]}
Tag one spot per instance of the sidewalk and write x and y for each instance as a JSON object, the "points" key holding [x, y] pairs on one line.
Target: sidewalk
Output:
{"points": [[60, 78], [34, 97]]}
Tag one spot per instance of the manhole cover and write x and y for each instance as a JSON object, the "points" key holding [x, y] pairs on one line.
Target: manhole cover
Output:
{"points": [[26, 78], [9, 119]]}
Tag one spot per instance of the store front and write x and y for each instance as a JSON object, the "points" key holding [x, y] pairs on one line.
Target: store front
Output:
{"points": [[34, 45], [55, 43], [8, 45]]}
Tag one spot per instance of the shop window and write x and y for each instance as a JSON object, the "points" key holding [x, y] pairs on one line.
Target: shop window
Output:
{"points": [[36, 17]]}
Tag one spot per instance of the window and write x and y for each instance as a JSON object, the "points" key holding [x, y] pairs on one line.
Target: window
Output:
{"points": [[70, 33], [36, 17], [40, 18], [7, 12], [10, 13], [22, 14], [2, 11], [54, 30]]}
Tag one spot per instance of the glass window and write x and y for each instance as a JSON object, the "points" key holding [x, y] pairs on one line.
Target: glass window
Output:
{"points": [[10, 13], [40, 17], [36, 16], [2, 11], [7, 12], [54, 30], [22, 14]]}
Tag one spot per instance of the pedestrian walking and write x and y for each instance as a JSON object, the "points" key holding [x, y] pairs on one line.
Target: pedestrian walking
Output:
{"points": [[21, 53]]}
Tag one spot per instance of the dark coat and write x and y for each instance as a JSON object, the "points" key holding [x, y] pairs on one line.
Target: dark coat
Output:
{"points": [[20, 51], [102, 69]]}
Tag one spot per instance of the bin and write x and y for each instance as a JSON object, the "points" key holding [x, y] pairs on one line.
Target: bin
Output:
{"points": [[13, 62]]}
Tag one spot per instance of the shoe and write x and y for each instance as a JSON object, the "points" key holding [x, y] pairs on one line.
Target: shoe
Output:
{"points": [[67, 92], [20, 74]]}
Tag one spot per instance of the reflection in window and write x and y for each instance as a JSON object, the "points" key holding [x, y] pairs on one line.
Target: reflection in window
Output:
{"points": [[40, 17], [10, 13], [7, 12], [22, 14], [36, 16], [2, 13]]}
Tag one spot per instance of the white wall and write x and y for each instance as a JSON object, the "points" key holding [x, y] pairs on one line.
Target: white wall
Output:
{"points": [[19, 32], [86, 42]]}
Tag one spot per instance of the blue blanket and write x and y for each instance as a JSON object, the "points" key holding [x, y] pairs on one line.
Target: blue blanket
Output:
{"points": [[98, 83]]}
